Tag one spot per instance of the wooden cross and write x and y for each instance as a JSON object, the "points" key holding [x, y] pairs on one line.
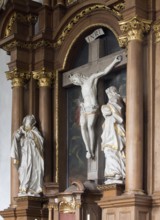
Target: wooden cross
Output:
{"points": [[95, 64]]}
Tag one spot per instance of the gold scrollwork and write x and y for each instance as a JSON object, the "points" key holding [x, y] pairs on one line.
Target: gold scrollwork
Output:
{"points": [[66, 206], [119, 6], [26, 45], [117, 9], [135, 28], [45, 78], [21, 18], [42, 43], [123, 41], [156, 28], [18, 77], [75, 19], [8, 47], [109, 187]]}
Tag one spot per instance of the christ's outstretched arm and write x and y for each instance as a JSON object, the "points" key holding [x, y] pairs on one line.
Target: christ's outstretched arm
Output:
{"points": [[117, 60]]}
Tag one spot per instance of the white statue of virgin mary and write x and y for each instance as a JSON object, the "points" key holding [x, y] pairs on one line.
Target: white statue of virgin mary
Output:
{"points": [[27, 152], [114, 137]]}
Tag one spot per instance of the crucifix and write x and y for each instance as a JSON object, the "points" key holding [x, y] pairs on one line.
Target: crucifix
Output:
{"points": [[87, 77]]}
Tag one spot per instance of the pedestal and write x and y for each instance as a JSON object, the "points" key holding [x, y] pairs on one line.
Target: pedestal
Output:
{"points": [[28, 208], [111, 190], [118, 206]]}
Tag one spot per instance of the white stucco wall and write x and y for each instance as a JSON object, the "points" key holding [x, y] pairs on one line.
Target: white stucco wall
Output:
{"points": [[5, 132]]}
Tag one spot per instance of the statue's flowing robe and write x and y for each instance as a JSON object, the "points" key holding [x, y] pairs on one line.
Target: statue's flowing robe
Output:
{"points": [[113, 141], [27, 150]]}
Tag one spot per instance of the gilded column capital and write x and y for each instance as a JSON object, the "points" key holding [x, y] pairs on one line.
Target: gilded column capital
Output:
{"points": [[45, 78], [156, 28], [18, 77], [134, 28]]}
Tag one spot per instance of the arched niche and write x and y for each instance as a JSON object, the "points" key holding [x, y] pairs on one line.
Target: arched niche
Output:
{"points": [[78, 60], [84, 25]]}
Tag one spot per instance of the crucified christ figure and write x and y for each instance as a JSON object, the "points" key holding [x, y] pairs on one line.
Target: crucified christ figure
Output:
{"points": [[89, 106]]}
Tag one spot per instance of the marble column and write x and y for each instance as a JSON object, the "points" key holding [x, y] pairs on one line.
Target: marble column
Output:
{"points": [[134, 30], [157, 109], [45, 118], [18, 82]]}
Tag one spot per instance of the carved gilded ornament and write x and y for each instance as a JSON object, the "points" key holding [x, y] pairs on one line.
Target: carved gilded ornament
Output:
{"points": [[117, 9], [134, 29], [21, 18], [27, 45], [119, 6], [53, 206], [18, 77], [156, 28], [45, 79], [42, 43], [80, 15], [67, 206], [8, 47], [109, 187], [123, 41]]}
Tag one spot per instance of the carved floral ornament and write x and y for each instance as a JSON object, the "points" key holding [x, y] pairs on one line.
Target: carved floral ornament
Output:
{"points": [[67, 206], [45, 78], [115, 11], [133, 29], [18, 77], [21, 18], [27, 45], [156, 28]]}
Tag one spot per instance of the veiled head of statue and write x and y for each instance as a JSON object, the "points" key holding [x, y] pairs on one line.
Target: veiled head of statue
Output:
{"points": [[77, 78], [29, 121], [112, 93]]}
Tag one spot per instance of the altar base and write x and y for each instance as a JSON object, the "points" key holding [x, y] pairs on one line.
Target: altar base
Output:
{"points": [[117, 205], [27, 208]]}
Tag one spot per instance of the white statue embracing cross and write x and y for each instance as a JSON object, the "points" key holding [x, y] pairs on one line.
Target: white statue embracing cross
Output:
{"points": [[27, 154], [89, 106]]}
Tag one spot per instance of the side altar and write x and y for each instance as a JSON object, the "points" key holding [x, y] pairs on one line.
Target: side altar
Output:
{"points": [[82, 76]]}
